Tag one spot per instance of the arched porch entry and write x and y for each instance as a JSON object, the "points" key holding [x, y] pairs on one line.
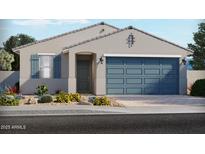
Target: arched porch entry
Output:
{"points": [[85, 72]]}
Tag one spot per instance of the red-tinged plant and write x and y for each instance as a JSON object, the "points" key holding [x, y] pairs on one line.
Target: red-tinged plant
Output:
{"points": [[11, 90]]}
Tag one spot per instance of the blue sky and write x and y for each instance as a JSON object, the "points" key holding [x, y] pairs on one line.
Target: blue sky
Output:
{"points": [[178, 31]]}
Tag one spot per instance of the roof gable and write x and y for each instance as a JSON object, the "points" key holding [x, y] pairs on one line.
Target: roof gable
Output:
{"points": [[61, 35], [127, 28]]}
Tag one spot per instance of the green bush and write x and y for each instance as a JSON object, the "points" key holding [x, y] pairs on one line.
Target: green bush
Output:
{"points": [[45, 99], [198, 88], [62, 97], [8, 100], [101, 101], [74, 97], [41, 90]]}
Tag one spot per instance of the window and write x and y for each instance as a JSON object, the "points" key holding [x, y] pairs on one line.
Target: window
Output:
{"points": [[46, 66]]}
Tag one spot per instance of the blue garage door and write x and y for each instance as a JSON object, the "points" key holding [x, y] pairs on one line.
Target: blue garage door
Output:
{"points": [[126, 76]]}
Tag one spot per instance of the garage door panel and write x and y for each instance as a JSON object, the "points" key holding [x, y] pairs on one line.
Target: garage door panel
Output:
{"points": [[115, 85], [151, 71], [152, 81], [133, 62], [136, 91], [168, 90], [115, 91], [115, 61], [134, 71], [169, 71], [115, 71], [169, 63], [115, 80], [150, 62], [142, 76], [166, 81], [133, 81], [151, 90]]}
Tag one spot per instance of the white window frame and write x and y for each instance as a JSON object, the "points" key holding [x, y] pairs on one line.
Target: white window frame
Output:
{"points": [[51, 56], [142, 55]]}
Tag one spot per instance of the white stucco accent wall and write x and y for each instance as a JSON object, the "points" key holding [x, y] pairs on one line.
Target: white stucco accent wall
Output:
{"points": [[193, 75]]}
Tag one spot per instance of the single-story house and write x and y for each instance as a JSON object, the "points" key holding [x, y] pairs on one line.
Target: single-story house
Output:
{"points": [[104, 60]]}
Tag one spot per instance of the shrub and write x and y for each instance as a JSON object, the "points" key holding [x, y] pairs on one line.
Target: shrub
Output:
{"points": [[91, 99], [198, 88], [45, 99], [58, 91], [74, 97], [11, 90], [101, 101], [8, 100], [41, 90], [62, 97]]}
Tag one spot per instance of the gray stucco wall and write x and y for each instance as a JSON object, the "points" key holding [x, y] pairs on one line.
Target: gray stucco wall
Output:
{"points": [[116, 44], [29, 86], [9, 78], [56, 45], [113, 44]]}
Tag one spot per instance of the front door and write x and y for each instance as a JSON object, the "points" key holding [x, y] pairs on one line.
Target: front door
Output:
{"points": [[83, 76]]}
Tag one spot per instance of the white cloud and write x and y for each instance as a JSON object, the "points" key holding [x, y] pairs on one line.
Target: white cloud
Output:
{"points": [[42, 22], [80, 21]]}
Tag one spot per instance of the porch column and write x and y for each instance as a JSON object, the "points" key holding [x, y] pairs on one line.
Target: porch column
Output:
{"points": [[71, 72], [182, 78]]}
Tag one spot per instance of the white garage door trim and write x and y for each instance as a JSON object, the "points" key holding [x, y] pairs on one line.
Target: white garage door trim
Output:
{"points": [[141, 55]]}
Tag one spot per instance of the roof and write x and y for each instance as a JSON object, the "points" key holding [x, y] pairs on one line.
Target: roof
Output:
{"points": [[57, 36], [120, 30]]}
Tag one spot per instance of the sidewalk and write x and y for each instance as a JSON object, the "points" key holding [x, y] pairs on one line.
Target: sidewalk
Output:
{"points": [[63, 109]]}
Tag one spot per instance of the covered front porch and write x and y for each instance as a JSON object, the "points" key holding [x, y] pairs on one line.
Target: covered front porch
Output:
{"points": [[82, 72]]}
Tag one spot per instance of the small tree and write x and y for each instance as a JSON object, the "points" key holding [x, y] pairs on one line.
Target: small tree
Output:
{"points": [[198, 47], [5, 60], [15, 41]]}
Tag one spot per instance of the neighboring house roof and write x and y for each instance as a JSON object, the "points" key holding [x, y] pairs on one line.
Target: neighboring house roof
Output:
{"points": [[120, 30], [57, 36]]}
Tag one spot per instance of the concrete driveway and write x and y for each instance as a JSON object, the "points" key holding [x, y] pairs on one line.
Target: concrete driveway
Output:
{"points": [[159, 100]]}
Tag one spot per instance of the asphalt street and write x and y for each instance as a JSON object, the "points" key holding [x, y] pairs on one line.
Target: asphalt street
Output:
{"points": [[182, 123]]}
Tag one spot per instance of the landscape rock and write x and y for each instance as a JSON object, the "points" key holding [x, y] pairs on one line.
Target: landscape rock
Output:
{"points": [[31, 100], [84, 103]]}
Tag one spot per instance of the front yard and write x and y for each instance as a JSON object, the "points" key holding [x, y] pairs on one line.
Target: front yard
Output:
{"points": [[10, 97]]}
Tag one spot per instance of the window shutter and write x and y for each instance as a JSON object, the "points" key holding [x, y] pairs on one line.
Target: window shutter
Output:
{"points": [[34, 66], [57, 66]]}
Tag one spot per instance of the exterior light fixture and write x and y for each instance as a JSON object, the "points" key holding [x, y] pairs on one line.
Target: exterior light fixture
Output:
{"points": [[184, 61], [101, 60], [130, 40]]}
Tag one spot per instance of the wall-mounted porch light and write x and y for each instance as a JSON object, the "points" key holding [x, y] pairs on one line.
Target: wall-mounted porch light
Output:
{"points": [[101, 60], [184, 61]]}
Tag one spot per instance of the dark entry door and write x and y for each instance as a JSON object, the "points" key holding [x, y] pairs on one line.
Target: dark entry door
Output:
{"points": [[83, 76]]}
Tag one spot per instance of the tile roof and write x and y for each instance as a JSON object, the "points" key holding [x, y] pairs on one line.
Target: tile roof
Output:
{"points": [[120, 30], [57, 36]]}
